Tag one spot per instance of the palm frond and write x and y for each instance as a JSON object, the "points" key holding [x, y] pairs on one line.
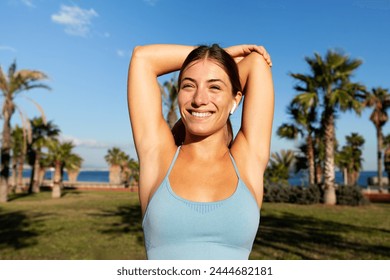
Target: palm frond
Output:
{"points": [[39, 107], [3, 82], [31, 75], [306, 99], [12, 70], [289, 131], [27, 131]]}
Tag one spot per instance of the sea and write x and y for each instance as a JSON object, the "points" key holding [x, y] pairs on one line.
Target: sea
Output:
{"points": [[302, 178], [299, 179]]}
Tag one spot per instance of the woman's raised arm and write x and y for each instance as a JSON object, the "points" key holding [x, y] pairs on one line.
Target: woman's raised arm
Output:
{"points": [[144, 96], [258, 107]]}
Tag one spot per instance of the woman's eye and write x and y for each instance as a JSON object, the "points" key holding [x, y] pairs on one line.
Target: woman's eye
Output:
{"points": [[187, 86], [215, 87]]}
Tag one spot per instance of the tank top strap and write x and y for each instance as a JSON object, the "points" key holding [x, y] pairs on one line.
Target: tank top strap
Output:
{"points": [[173, 161], [235, 165]]}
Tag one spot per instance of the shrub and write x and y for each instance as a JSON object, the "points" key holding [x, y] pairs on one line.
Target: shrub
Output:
{"points": [[291, 194], [284, 193], [350, 195], [305, 195], [276, 193]]}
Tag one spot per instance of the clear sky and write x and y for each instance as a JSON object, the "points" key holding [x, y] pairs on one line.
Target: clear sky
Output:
{"points": [[85, 47]]}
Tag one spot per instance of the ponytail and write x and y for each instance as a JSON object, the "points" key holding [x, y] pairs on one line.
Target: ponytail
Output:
{"points": [[179, 132]]}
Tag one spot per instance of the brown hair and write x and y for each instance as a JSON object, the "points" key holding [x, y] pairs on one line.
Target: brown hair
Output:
{"points": [[226, 62]]}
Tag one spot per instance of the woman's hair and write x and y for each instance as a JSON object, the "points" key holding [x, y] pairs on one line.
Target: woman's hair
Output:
{"points": [[227, 63]]}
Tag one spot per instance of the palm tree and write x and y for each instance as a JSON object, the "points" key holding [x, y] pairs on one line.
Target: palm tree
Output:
{"points": [[59, 155], [42, 133], [11, 85], [302, 110], [170, 100], [115, 157], [356, 142], [133, 177], [73, 166], [349, 159], [331, 78], [386, 143], [19, 149], [279, 166], [379, 99]]}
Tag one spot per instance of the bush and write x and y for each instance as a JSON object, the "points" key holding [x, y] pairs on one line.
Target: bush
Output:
{"points": [[291, 194], [350, 195], [284, 193], [276, 193], [305, 195]]}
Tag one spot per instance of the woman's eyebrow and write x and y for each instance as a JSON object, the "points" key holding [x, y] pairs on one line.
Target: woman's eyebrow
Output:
{"points": [[208, 81], [216, 80], [189, 79]]}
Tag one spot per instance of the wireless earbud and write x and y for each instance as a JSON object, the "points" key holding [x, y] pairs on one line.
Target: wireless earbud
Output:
{"points": [[234, 108]]}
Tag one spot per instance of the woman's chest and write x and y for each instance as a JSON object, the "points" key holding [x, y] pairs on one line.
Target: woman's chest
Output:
{"points": [[203, 182]]}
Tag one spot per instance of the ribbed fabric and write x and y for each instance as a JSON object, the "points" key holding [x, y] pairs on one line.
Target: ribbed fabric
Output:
{"points": [[176, 228]]}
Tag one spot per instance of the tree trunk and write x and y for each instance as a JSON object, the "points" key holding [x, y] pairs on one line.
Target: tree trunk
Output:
{"points": [[56, 191], [3, 189], [41, 176], [345, 176], [379, 153], [115, 174], [355, 177], [30, 185], [126, 174], [387, 163], [72, 175], [37, 167], [19, 179], [12, 183], [329, 170], [310, 159], [319, 173], [8, 109]]}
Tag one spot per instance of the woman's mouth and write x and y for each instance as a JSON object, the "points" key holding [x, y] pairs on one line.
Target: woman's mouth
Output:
{"points": [[201, 114]]}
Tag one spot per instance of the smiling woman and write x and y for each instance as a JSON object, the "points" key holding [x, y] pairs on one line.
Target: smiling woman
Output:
{"points": [[201, 195], [206, 98]]}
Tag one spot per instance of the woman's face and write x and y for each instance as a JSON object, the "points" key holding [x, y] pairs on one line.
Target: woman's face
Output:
{"points": [[205, 97]]}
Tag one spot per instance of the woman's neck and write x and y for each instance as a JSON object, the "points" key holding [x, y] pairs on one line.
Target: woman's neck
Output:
{"points": [[205, 148]]}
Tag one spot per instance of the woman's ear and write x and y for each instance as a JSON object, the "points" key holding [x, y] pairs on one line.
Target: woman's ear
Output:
{"points": [[236, 101], [238, 98], [233, 108]]}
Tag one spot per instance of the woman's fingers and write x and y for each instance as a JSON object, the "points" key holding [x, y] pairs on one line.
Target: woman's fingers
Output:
{"points": [[241, 51], [261, 50]]}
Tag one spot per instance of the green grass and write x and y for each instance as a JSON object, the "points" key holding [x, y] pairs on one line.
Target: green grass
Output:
{"points": [[289, 231], [107, 225]]}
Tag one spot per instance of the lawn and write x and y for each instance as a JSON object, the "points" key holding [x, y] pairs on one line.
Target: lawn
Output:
{"points": [[107, 225]]}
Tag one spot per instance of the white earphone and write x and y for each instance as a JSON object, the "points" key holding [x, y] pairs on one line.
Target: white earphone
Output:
{"points": [[234, 108]]}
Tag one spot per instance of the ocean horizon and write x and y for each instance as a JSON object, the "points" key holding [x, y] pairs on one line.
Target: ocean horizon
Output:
{"points": [[302, 178], [299, 179]]}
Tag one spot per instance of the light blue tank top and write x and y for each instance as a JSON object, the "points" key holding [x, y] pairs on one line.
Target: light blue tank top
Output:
{"points": [[176, 228]]}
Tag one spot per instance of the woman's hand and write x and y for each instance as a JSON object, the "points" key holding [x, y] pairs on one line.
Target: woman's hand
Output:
{"points": [[239, 52]]}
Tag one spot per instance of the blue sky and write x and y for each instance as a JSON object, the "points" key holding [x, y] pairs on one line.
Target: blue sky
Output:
{"points": [[85, 47]]}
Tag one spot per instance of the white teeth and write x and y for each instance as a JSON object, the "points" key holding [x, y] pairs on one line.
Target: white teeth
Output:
{"points": [[200, 115]]}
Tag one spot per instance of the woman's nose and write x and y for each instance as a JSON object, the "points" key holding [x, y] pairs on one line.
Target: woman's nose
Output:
{"points": [[200, 98]]}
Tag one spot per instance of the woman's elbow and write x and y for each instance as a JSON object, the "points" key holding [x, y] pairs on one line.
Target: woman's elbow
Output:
{"points": [[138, 51]]}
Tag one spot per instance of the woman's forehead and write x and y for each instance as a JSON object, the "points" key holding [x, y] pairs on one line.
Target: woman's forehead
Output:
{"points": [[205, 68]]}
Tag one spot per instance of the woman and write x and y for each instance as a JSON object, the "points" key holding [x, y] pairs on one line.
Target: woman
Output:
{"points": [[201, 199]]}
